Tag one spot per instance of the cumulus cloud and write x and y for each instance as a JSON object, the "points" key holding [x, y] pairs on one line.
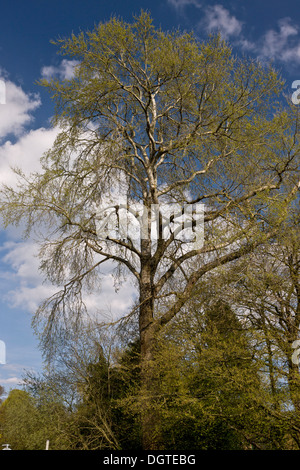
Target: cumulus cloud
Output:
{"points": [[16, 112], [64, 71], [11, 373], [218, 19], [19, 146], [23, 285], [25, 153], [29, 289], [11, 382], [22, 258], [282, 44]]}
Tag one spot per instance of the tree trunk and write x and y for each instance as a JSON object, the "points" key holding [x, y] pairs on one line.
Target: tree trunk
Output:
{"points": [[150, 416], [294, 385]]}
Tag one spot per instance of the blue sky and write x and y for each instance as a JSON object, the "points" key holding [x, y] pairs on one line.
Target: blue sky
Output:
{"points": [[268, 30]]}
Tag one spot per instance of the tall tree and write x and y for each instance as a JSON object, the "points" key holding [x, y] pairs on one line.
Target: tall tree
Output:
{"points": [[164, 121]]}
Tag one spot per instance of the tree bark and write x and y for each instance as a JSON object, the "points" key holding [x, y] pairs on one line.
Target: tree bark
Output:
{"points": [[150, 416], [294, 385]]}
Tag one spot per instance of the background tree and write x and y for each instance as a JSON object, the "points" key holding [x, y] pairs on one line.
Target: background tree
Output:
{"points": [[158, 118], [214, 390], [212, 385], [268, 291], [96, 379], [27, 425]]}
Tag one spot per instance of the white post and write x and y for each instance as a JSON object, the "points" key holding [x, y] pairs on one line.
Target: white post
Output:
{"points": [[6, 447]]}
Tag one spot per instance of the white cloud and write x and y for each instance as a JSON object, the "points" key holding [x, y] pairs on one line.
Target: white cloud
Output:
{"points": [[180, 4], [279, 44], [23, 286], [11, 382], [63, 71], [18, 145], [21, 256], [217, 18], [11, 376], [29, 289], [15, 114], [29, 298], [108, 302], [25, 153]]}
